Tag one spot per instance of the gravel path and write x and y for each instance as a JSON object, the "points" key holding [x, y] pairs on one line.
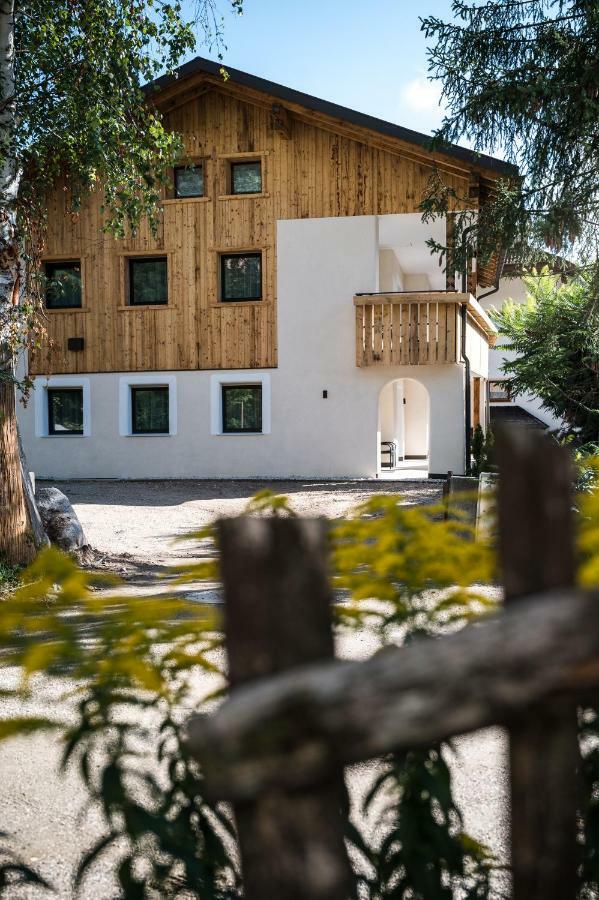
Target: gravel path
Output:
{"points": [[141, 518], [131, 526]]}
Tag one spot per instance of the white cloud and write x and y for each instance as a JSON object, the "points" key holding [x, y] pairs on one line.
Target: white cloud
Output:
{"points": [[419, 104], [420, 95]]}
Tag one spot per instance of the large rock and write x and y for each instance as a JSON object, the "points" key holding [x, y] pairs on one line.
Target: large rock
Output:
{"points": [[60, 520]]}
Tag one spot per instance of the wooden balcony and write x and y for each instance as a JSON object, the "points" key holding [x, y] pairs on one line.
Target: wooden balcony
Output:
{"points": [[414, 329]]}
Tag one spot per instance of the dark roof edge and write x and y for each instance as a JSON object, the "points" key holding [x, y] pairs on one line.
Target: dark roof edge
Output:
{"points": [[199, 64]]}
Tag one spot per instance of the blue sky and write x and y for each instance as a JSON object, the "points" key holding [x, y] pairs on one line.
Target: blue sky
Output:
{"points": [[369, 55]]}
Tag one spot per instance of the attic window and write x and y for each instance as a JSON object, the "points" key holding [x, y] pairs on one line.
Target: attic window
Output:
{"points": [[189, 181], [246, 177]]}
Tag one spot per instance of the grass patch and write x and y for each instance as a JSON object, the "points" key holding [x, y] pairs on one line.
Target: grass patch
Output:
{"points": [[9, 576]]}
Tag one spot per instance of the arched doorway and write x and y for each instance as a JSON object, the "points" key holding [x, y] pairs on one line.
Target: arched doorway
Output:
{"points": [[403, 429]]}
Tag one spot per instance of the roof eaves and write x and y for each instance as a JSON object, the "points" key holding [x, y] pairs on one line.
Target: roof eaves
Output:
{"points": [[390, 129]]}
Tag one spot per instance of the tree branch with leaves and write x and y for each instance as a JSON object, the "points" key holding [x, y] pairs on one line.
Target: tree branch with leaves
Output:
{"points": [[72, 111]]}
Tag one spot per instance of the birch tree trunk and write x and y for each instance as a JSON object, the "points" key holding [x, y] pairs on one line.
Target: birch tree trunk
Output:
{"points": [[17, 544]]}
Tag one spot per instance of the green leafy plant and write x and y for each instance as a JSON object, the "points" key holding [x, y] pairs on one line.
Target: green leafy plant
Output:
{"points": [[9, 576], [409, 572], [131, 664], [482, 450], [554, 337]]}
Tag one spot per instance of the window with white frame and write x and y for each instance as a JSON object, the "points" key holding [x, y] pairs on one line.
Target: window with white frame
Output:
{"points": [[62, 406], [147, 405], [240, 403]]}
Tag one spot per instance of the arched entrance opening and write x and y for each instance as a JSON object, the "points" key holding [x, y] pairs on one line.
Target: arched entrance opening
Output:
{"points": [[403, 430]]}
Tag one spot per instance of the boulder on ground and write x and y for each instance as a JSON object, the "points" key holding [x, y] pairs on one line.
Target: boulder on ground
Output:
{"points": [[60, 520]]}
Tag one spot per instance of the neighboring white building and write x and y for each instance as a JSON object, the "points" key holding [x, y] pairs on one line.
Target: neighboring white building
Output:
{"points": [[526, 409]]}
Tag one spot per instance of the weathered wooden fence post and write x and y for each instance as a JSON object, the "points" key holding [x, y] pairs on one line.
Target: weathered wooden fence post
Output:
{"points": [[537, 554], [277, 617]]}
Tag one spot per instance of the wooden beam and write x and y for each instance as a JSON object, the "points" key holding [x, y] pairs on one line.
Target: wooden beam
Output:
{"points": [[277, 617], [537, 553], [297, 728], [281, 120]]}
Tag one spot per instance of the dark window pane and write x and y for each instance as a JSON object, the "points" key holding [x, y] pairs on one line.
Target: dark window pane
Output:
{"points": [[241, 276], [149, 410], [246, 178], [147, 281], [242, 407], [63, 285], [189, 181], [65, 410]]}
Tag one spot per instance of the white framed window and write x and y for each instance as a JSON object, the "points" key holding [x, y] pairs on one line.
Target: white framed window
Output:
{"points": [[147, 405], [62, 406], [243, 412]]}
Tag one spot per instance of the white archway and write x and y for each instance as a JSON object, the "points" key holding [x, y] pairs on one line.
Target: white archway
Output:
{"points": [[403, 429]]}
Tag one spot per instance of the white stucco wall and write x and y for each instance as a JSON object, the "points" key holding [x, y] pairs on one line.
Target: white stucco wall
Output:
{"points": [[416, 418], [321, 264], [391, 277], [477, 350]]}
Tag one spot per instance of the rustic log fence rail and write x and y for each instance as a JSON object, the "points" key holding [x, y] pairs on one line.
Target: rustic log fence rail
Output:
{"points": [[296, 716]]}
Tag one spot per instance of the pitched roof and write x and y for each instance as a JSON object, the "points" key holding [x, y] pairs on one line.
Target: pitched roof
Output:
{"points": [[198, 65]]}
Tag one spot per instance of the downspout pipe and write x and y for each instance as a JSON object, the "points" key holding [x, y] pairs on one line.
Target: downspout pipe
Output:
{"points": [[467, 393], [500, 264], [465, 359]]}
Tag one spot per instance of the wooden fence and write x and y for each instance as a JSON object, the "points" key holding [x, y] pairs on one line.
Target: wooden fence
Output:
{"points": [[276, 749]]}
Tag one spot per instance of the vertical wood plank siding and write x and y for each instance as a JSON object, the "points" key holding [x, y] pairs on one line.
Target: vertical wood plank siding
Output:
{"points": [[406, 332], [314, 174]]}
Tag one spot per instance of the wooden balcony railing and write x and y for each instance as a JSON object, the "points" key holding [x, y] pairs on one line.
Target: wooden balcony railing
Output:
{"points": [[413, 329]]}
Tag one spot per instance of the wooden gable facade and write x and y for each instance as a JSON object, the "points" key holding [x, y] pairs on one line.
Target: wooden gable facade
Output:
{"points": [[314, 164]]}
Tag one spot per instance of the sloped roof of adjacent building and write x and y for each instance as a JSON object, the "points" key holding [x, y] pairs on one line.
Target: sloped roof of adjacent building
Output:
{"points": [[515, 415], [199, 65]]}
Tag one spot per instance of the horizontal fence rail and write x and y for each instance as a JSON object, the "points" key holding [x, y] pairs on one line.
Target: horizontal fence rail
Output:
{"points": [[404, 697]]}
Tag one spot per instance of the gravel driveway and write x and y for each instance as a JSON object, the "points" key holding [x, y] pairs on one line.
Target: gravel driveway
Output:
{"points": [[131, 526]]}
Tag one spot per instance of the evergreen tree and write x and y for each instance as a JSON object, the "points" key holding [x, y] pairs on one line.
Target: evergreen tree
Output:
{"points": [[522, 77], [557, 350]]}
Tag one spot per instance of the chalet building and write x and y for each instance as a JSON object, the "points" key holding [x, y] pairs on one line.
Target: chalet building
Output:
{"points": [[288, 318]]}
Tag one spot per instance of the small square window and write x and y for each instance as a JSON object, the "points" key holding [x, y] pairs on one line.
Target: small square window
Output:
{"points": [[149, 410], [242, 408], [241, 276], [63, 284], [148, 281], [246, 177], [65, 411], [189, 181]]}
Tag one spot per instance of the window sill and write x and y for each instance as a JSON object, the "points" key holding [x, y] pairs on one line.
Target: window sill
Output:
{"points": [[136, 307], [261, 196], [150, 434], [226, 303], [170, 200], [239, 434], [63, 436], [67, 309]]}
